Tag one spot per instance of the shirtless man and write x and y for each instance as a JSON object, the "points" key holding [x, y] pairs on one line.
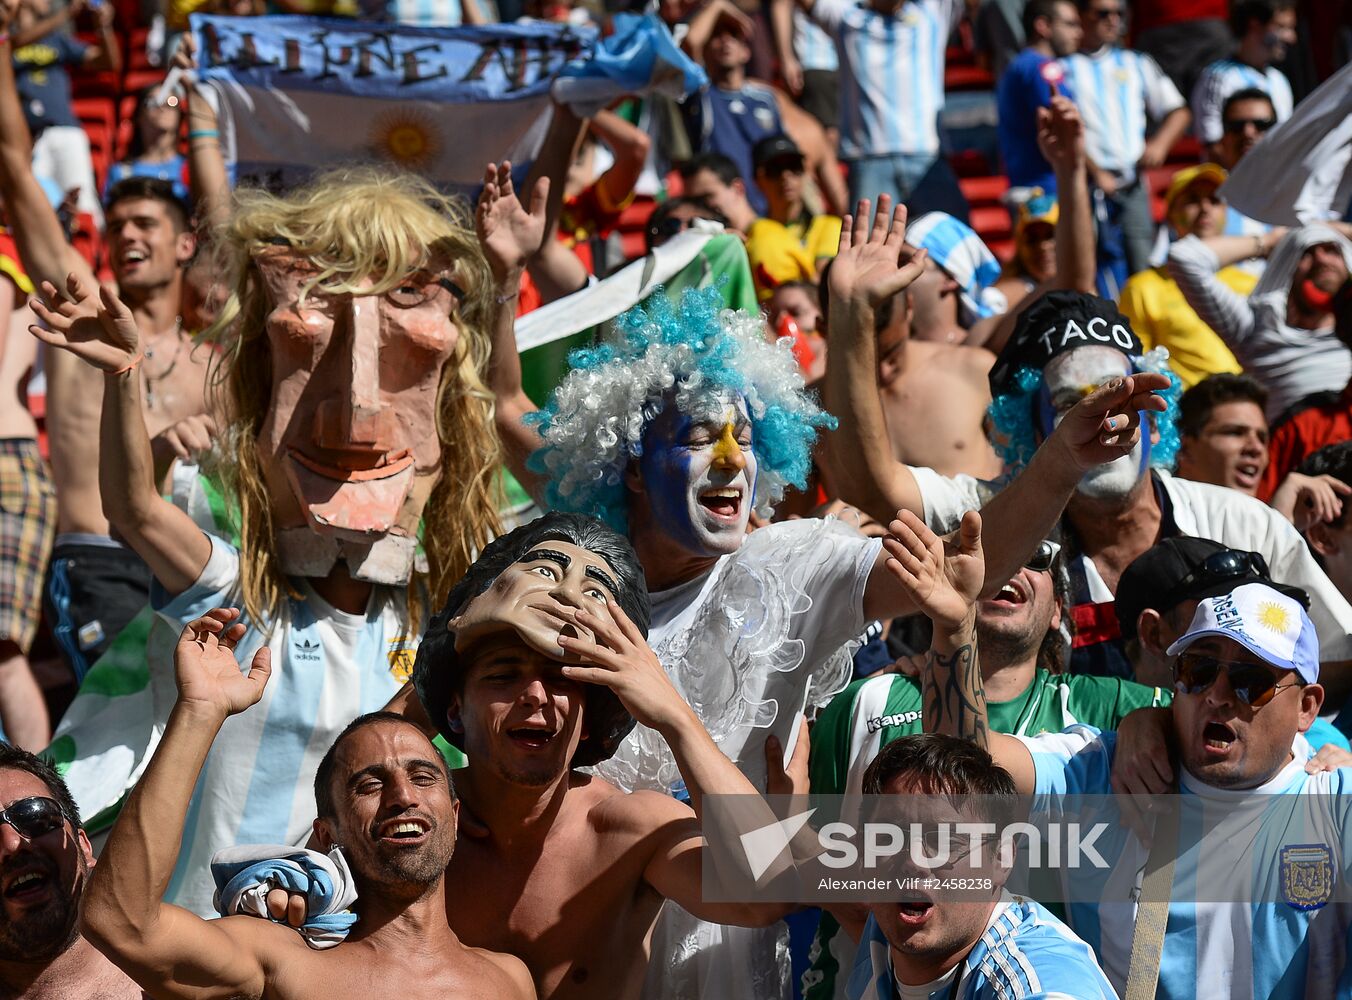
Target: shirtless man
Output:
{"points": [[96, 584], [558, 867], [45, 861], [390, 804]]}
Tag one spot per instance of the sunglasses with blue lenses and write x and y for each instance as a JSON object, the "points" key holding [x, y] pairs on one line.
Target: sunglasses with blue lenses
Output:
{"points": [[1253, 684]]}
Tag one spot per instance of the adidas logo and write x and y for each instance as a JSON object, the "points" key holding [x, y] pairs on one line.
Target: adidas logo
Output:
{"points": [[306, 650]]}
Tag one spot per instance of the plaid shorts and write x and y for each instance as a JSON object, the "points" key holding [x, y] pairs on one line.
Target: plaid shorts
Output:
{"points": [[27, 527]]}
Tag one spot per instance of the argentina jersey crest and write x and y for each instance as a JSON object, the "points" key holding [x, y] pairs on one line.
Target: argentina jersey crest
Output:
{"points": [[1306, 872]]}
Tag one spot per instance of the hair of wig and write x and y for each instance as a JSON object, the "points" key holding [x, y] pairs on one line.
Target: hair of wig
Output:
{"points": [[356, 225], [1014, 432], [688, 355], [438, 672]]}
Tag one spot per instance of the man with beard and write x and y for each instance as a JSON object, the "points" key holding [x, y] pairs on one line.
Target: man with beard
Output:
{"points": [[1022, 635], [1255, 906], [97, 584], [1283, 332], [45, 861], [384, 794]]}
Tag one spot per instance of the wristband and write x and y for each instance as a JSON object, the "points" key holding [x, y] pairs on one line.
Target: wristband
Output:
{"points": [[130, 367], [205, 133], [1257, 245], [4, 38]]}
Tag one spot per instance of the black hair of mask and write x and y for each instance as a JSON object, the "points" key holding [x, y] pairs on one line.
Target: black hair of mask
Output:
{"points": [[1055, 324]]}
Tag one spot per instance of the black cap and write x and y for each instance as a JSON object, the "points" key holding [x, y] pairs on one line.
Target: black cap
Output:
{"points": [[776, 147], [1184, 568], [1058, 322]]}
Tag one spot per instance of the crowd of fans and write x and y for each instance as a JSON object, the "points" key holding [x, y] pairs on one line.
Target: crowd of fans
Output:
{"points": [[297, 546]]}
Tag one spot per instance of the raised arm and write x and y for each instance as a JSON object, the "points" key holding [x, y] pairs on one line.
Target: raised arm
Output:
{"points": [[945, 586], [781, 30], [207, 172], [42, 245], [98, 328], [701, 26], [554, 268], [1193, 263], [167, 950], [107, 54], [619, 658], [510, 235]]}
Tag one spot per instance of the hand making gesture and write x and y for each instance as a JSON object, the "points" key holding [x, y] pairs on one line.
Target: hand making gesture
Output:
{"points": [[1060, 134], [875, 264], [1106, 424], [510, 233], [205, 668], [97, 328], [944, 576]]}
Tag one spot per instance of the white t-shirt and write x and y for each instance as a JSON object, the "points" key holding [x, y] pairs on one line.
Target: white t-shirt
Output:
{"points": [[328, 667], [764, 634]]}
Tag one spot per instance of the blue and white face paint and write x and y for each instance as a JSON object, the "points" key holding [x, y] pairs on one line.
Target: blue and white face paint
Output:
{"points": [[1067, 379], [699, 475]]}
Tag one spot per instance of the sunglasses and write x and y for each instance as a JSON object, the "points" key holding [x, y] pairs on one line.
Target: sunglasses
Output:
{"points": [[1237, 125], [1253, 684], [1041, 560], [33, 816], [1228, 564], [1107, 12]]}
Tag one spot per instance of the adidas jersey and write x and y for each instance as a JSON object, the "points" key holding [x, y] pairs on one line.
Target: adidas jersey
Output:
{"points": [[328, 667], [1295, 948], [1119, 92], [1221, 79], [1025, 953]]}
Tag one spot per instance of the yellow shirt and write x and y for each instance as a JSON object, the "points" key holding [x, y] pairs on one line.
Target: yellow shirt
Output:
{"points": [[1161, 317], [781, 253]]}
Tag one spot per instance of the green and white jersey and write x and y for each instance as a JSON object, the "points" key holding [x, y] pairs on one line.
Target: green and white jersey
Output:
{"points": [[873, 712]]}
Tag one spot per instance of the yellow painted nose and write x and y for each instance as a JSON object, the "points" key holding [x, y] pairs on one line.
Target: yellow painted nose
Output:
{"points": [[726, 449]]}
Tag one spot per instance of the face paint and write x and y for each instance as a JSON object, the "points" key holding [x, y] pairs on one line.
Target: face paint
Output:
{"points": [[349, 446], [533, 596], [1067, 379], [699, 475]]}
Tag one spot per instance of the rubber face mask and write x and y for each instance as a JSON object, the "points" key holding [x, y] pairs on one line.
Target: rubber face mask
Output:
{"points": [[349, 445], [1069, 378], [699, 474], [534, 595]]}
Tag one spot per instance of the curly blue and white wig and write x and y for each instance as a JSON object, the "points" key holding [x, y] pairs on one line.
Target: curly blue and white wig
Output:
{"points": [[1013, 414], [691, 355]]}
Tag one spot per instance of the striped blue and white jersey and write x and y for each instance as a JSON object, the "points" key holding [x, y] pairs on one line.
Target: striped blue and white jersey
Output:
{"points": [[1025, 954], [1299, 846], [328, 667], [1221, 79], [814, 48], [891, 74], [1119, 92]]}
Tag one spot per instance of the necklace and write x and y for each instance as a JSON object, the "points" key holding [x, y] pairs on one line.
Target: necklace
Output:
{"points": [[151, 381]]}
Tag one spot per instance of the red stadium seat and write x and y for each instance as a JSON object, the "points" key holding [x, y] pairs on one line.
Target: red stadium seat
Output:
{"points": [[991, 222], [980, 191]]}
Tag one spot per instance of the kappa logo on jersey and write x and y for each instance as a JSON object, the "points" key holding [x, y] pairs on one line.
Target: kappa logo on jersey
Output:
{"points": [[306, 650], [1307, 875], [899, 719]]}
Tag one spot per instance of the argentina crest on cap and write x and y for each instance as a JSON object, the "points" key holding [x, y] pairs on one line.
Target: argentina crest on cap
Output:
{"points": [[1307, 876]]}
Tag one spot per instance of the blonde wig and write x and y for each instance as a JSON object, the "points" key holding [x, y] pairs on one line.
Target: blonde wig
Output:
{"points": [[356, 224]]}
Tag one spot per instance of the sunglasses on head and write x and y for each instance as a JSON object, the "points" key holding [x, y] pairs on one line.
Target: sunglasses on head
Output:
{"points": [[1236, 125], [33, 816], [1253, 684], [1041, 560]]}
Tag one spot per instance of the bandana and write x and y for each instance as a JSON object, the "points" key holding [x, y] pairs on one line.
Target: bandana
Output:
{"points": [[1058, 322]]}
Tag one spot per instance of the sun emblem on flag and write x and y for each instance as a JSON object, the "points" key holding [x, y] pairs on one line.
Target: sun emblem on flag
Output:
{"points": [[406, 136], [1273, 616]]}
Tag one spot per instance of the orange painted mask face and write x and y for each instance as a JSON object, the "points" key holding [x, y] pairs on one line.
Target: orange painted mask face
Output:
{"points": [[350, 445]]}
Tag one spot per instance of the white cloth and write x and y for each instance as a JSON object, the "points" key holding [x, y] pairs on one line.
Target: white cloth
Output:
{"points": [[1291, 361], [61, 153], [1314, 147], [762, 636], [1202, 511]]}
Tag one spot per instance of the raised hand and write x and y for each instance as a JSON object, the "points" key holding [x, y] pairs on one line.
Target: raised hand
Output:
{"points": [[205, 669], [1060, 134], [944, 577], [8, 10], [98, 329], [618, 657], [1106, 424], [874, 264], [510, 234]]}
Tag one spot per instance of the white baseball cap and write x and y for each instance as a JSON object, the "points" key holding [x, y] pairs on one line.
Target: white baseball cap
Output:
{"points": [[1267, 623]]}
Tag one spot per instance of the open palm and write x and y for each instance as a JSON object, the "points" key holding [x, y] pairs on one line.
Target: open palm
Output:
{"points": [[205, 667], [510, 234], [943, 576], [96, 327], [873, 264]]}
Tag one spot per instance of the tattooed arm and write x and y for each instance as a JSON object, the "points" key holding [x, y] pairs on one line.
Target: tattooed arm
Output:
{"points": [[945, 580]]}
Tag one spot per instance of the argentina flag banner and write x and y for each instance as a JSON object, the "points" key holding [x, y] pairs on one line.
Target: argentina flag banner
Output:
{"points": [[300, 93]]}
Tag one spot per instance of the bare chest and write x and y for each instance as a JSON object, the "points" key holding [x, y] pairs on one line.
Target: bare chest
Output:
{"points": [[173, 381]]}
